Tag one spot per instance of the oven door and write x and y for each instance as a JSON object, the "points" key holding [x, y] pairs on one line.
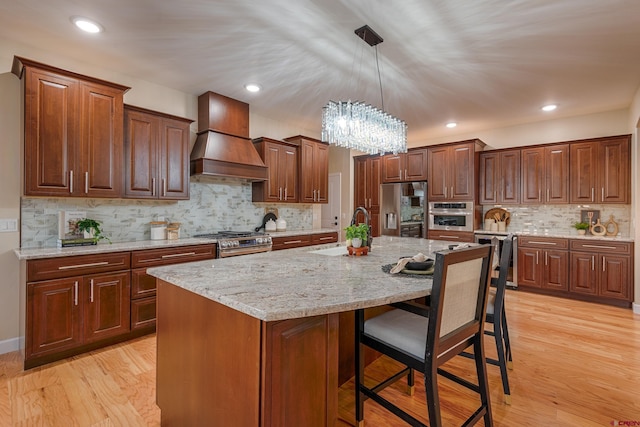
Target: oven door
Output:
{"points": [[451, 220]]}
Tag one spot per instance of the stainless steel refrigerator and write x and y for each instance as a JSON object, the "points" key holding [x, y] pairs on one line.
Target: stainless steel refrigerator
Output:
{"points": [[403, 209]]}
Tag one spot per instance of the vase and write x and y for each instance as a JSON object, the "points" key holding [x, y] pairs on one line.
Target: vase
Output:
{"points": [[582, 232], [356, 242]]}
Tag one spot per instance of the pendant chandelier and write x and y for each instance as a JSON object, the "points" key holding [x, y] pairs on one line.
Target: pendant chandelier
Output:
{"points": [[360, 126]]}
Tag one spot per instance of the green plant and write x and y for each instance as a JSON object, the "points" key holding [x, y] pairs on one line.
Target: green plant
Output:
{"points": [[581, 225], [92, 226], [357, 231]]}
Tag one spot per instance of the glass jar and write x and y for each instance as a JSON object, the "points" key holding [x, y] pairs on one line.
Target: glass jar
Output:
{"points": [[158, 230], [173, 231]]}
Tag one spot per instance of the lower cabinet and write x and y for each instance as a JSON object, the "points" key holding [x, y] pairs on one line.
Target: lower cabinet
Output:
{"points": [[297, 241], [410, 230], [591, 270], [454, 236]]}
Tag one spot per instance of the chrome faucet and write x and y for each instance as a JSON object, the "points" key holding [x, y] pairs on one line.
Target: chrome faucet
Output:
{"points": [[366, 221]]}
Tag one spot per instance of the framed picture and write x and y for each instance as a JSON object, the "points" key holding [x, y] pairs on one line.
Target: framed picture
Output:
{"points": [[584, 217]]}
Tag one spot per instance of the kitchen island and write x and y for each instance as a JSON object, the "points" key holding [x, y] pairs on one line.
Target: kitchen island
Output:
{"points": [[253, 340]]}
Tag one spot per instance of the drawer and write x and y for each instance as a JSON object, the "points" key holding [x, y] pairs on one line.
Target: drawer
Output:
{"points": [[291, 242], [142, 284], [619, 248], [318, 239], [175, 255], [143, 313], [56, 268], [543, 242], [453, 236]]}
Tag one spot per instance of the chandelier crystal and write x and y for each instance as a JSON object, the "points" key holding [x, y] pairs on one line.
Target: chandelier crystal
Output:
{"points": [[363, 127]]}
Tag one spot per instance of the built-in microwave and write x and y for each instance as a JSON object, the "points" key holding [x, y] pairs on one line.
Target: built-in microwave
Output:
{"points": [[451, 216]]}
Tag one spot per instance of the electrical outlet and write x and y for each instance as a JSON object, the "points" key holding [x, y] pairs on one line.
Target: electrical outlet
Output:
{"points": [[8, 225]]}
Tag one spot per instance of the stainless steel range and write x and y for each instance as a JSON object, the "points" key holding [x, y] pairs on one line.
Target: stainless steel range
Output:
{"points": [[233, 243]]}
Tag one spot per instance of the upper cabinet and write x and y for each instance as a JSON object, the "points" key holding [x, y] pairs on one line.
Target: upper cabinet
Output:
{"points": [[452, 171], [405, 167], [499, 177], [313, 169], [281, 159], [73, 132], [368, 174], [600, 170], [156, 155], [545, 174]]}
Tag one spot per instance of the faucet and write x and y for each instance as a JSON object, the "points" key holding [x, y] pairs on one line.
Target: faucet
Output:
{"points": [[366, 221]]}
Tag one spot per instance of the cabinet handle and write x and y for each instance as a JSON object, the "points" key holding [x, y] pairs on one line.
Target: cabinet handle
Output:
{"points": [[314, 195], [75, 291], [164, 187], [602, 195], [326, 238], [86, 183], [291, 242], [91, 264], [450, 237], [546, 258], [285, 193], [369, 203], [91, 290], [153, 186], [537, 257], [599, 247], [71, 182], [178, 255], [405, 174], [604, 268], [547, 194], [318, 195], [543, 243], [593, 263], [539, 195], [451, 192], [592, 194]]}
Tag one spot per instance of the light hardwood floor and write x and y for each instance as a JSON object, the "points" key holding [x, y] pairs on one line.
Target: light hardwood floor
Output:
{"points": [[575, 364]]}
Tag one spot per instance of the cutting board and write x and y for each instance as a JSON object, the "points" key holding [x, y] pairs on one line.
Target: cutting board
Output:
{"points": [[499, 211]]}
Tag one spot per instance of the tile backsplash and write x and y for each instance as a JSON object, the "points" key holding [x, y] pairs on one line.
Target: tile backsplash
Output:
{"points": [[559, 218], [215, 204]]}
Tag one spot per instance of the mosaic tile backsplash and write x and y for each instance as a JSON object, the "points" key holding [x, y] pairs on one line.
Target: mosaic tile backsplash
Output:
{"points": [[215, 204]]}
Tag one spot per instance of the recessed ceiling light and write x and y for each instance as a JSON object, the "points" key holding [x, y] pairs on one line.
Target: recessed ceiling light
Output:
{"points": [[549, 107], [252, 87], [452, 124], [86, 24]]}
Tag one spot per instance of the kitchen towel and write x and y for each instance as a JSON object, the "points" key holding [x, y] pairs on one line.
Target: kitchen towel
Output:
{"points": [[420, 257]]}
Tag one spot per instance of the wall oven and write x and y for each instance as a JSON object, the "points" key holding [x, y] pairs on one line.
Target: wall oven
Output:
{"points": [[451, 216]]}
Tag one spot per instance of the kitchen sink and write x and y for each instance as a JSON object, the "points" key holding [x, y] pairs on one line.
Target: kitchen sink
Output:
{"points": [[335, 251]]}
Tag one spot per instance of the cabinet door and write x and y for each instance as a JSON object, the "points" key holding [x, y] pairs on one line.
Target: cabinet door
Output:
{"points": [[533, 175], [360, 178], [174, 160], [583, 273], [322, 172], [143, 313], [374, 176], [556, 270], [106, 305], [510, 174], [101, 118], [288, 164], [141, 155], [393, 168], [489, 178], [529, 272], [614, 172], [462, 175], [438, 159], [51, 133], [53, 320], [142, 284], [557, 173], [614, 276], [584, 171], [416, 165], [307, 189]]}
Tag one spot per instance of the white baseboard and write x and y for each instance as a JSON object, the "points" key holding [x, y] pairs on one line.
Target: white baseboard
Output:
{"points": [[636, 308], [7, 346]]}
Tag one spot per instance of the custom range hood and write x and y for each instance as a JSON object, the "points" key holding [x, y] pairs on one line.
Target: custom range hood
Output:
{"points": [[223, 147]]}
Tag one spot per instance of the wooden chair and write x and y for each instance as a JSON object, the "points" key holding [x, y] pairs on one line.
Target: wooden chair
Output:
{"points": [[423, 338]]}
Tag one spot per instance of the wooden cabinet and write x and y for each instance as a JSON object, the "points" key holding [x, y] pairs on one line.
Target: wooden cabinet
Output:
{"points": [[602, 270], [453, 236], [499, 177], [143, 286], [543, 263], [368, 172], [313, 169], [300, 240], [156, 148], [545, 174], [73, 133], [282, 160], [410, 230], [405, 167], [321, 238], [68, 310], [452, 171], [601, 170]]}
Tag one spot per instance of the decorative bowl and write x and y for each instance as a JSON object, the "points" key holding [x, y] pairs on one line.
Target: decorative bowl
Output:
{"points": [[419, 265]]}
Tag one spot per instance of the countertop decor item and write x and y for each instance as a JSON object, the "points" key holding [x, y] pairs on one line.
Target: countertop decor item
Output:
{"points": [[598, 229], [499, 215], [92, 228], [608, 226], [582, 227], [281, 224], [362, 126]]}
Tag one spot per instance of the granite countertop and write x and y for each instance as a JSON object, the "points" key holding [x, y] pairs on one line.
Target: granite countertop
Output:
{"points": [[299, 283], [557, 234]]}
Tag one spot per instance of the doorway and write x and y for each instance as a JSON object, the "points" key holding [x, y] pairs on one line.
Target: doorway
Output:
{"points": [[330, 213]]}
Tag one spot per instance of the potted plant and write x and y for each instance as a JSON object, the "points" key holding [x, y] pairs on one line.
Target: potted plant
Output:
{"points": [[582, 227], [91, 229], [356, 234]]}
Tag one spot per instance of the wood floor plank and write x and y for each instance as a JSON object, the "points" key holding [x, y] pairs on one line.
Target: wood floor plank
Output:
{"points": [[575, 364]]}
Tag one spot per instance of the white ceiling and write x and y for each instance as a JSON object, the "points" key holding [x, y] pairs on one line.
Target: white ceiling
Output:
{"points": [[482, 63]]}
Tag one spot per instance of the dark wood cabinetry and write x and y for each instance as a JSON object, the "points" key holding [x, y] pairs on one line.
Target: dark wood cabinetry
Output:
{"points": [[300, 240], [282, 160], [405, 167], [368, 172], [499, 177], [543, 263], [454, 236], [545, 174], [313, 169], [600, 170], [452, 171], [156, 155], [410, 230], [73, 133]]}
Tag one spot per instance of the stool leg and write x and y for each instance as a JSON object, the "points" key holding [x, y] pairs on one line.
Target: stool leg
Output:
{"points": [[502, 362], [505, 332]]}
